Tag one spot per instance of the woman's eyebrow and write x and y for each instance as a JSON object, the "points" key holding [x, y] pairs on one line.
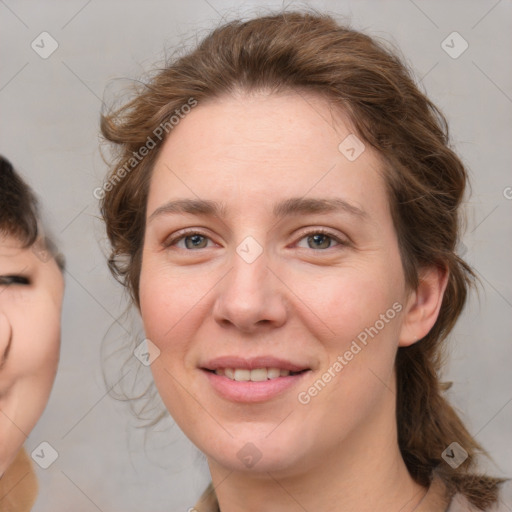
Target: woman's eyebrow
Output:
{"points": [[194, 206], [302, 205], [286, 208]]}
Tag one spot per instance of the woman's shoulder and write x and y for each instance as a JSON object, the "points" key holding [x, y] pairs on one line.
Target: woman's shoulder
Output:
{"points": [[460, 503], [208, 501]]}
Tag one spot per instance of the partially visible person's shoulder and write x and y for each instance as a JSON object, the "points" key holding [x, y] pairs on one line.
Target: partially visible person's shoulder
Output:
{"points": [[460, 503], [18, 485]]}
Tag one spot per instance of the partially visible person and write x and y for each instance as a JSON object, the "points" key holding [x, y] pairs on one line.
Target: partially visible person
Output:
{"points": [[31, 292]]}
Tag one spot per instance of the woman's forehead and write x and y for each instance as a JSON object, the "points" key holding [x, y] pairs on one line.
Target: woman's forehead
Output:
{"points": [[257, 118], [277, 146]]}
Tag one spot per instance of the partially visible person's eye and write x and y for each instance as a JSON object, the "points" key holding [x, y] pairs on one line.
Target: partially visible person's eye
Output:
{"points": [[188, 240], [14, 279], [321, 239]]}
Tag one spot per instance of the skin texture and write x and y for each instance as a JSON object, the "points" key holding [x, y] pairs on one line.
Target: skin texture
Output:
{"points": [[29, 341], [296, 302]]}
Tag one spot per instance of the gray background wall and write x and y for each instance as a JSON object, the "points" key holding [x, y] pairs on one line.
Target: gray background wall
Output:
{"points": [[49, 129]]}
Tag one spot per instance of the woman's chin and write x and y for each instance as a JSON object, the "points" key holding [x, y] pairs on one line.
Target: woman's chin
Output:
{"points": [[257, 456]]}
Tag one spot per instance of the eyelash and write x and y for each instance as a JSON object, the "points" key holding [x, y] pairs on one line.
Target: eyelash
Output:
{"points": [[14, 279], [318, 231]]}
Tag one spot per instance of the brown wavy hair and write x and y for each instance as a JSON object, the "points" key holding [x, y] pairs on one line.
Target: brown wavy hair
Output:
{"points": [[426, 181]]}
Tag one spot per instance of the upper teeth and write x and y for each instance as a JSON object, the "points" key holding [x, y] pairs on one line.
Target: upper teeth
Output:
{"points": [[256, 375]]}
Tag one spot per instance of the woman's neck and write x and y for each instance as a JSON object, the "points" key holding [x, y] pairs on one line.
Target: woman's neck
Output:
{"points": [[355, 489], [363, 473]]}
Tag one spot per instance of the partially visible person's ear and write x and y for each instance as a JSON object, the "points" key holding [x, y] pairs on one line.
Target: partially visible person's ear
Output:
{"points": [[423, 305]]}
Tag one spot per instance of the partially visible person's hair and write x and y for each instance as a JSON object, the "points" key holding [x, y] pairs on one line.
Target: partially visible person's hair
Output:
{"points": [[19, 212], [426, 182]]}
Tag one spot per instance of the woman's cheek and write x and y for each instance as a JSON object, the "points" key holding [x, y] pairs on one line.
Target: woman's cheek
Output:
{"points": [[168, 294], [344, 300]]}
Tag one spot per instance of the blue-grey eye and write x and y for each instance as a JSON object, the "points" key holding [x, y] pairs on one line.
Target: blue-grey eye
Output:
{"points": [[319, 241], [196, 241]]}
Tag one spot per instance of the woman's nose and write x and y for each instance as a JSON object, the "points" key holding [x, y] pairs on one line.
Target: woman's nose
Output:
{"points": [[251, 296]]}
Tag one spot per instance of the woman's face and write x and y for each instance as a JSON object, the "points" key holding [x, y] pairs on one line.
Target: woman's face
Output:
{"points": [[31, 289], [270, 249]]}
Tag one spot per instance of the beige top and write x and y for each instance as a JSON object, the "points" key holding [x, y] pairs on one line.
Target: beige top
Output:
{"points": [[433, 500], [18, 485]]}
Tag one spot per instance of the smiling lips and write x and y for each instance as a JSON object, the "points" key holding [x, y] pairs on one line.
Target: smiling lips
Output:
{"points": [[252, 380], [256, 375]]}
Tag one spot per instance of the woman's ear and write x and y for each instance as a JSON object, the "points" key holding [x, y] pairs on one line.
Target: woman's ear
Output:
{"points": [[423, 305]]}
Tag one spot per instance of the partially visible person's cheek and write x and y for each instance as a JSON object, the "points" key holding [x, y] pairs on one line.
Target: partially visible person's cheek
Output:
{"points": [[29, 369], [34, 350], [5, 334], [5, 343]]}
